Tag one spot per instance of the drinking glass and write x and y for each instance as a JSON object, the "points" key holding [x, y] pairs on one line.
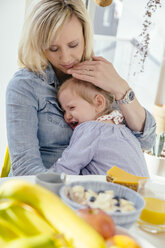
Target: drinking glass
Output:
{"points": [[152, 218]]}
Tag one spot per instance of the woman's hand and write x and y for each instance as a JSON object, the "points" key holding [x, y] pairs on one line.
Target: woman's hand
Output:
{"points": [[101, 73]]}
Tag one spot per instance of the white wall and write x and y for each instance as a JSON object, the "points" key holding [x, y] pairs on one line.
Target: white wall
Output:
{"points": [[119, 48], [130, 26], [11, 19]]}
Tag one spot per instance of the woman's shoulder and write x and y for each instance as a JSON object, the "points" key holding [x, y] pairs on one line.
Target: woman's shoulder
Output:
{"points": [[24, 83], [22, 77], [24, 72]]}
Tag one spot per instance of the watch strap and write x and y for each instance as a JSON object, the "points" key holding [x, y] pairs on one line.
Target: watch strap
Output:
{"points": [[128, 97]]}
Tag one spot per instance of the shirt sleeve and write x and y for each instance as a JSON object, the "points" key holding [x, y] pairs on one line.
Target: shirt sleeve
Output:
{"points": [[80, 151], [22, 126], [148, 136]]}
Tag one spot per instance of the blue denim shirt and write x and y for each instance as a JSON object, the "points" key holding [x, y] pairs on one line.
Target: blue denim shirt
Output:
{"points": [[36, 131]]}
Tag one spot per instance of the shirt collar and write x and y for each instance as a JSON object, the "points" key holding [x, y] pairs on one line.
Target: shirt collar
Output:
{"points": [[51, 77]]}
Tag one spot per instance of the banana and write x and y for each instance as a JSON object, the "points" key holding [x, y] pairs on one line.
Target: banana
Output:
{"points": [[39, 241], [58, 214], [24, 219], [2, 243], [7, 232]]}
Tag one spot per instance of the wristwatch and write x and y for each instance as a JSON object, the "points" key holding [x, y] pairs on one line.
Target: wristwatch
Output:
{"points": [[129, 97]]}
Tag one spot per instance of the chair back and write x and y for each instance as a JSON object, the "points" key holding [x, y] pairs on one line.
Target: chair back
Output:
{"points": [[6, 165]]}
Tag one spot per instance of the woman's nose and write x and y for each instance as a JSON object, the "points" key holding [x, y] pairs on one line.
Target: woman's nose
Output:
{"points": [[64, 56]]}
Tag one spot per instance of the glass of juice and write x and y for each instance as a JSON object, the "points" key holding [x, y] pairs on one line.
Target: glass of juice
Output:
{"points": [[152, 218]]}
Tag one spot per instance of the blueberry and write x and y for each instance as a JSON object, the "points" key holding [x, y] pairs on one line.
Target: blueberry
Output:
{"points": [[92, 199], [116, 198], [117, 204], [118, 210], [85, 190]]}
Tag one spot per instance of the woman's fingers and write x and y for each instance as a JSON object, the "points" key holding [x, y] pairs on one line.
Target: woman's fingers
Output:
{"points": [[86, 72], [99, 58], [85, 63], [92, 62], [86, 66], [85, 77], [82, 69]]}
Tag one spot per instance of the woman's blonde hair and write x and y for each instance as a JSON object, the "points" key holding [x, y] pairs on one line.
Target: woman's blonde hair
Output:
{"points": [[85, 89], [42, 21]]}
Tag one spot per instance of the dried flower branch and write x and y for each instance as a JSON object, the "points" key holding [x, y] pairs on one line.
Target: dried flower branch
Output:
{"points": [[143, 39]]}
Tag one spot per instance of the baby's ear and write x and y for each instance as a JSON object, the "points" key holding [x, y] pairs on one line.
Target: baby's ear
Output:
{"points": [[99, 101]]}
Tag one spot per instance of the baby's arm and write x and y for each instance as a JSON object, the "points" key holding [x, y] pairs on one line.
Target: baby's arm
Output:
{"points": [[79, 153]]}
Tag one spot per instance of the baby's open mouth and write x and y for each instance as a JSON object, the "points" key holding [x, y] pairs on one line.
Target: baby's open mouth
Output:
{"points": [[74, 124]]}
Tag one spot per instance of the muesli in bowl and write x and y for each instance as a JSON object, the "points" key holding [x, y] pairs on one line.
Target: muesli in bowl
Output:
{"points": [[121, 203]]}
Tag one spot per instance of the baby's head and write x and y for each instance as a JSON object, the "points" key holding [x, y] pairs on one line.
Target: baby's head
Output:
{"points": [[83, 101]]}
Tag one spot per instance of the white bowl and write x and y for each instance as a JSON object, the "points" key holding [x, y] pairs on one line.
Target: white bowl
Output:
{"points": [[123, 219]]}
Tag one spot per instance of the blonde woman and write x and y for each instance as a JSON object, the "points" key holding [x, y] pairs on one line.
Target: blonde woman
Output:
{"points": [[56, 43], [100, 139]]}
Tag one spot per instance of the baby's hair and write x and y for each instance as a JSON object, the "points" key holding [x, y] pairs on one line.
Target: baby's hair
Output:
{"points": [[83, 89]]}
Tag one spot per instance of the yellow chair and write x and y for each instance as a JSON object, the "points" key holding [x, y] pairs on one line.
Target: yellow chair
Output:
{"points": [[6, 165]]}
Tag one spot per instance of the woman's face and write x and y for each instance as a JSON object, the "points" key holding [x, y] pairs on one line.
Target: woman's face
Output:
{"points": [[67, 48]]}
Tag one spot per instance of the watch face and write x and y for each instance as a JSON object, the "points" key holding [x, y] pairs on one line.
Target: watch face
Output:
{"points": [[128, 98], [131, 95]]}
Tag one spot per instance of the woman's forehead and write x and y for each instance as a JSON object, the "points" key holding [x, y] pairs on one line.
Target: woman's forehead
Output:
{"points": [[69, 31]]}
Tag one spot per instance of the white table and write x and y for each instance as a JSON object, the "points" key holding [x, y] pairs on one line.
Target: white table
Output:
{"points": [[148, 240]]}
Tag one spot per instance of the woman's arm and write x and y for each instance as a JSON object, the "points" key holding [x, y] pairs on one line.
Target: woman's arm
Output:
{"points": [[22, 127], [101, 72], [134, 115], [148, 135]]}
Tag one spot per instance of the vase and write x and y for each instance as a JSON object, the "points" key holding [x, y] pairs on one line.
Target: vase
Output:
{"points": [[156, 165], [159, 114]]}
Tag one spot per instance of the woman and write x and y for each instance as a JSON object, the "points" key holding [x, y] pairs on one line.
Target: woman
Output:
{"points": [[57, 43]]}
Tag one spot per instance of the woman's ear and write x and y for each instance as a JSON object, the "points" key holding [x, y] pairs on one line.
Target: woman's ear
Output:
{"points": [[99, 101]]}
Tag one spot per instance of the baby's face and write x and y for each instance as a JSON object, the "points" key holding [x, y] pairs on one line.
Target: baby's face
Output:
{"points": [[76, 109]]}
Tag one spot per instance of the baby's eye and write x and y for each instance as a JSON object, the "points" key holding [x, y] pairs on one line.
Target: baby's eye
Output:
{"points": [[72, 107]]}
